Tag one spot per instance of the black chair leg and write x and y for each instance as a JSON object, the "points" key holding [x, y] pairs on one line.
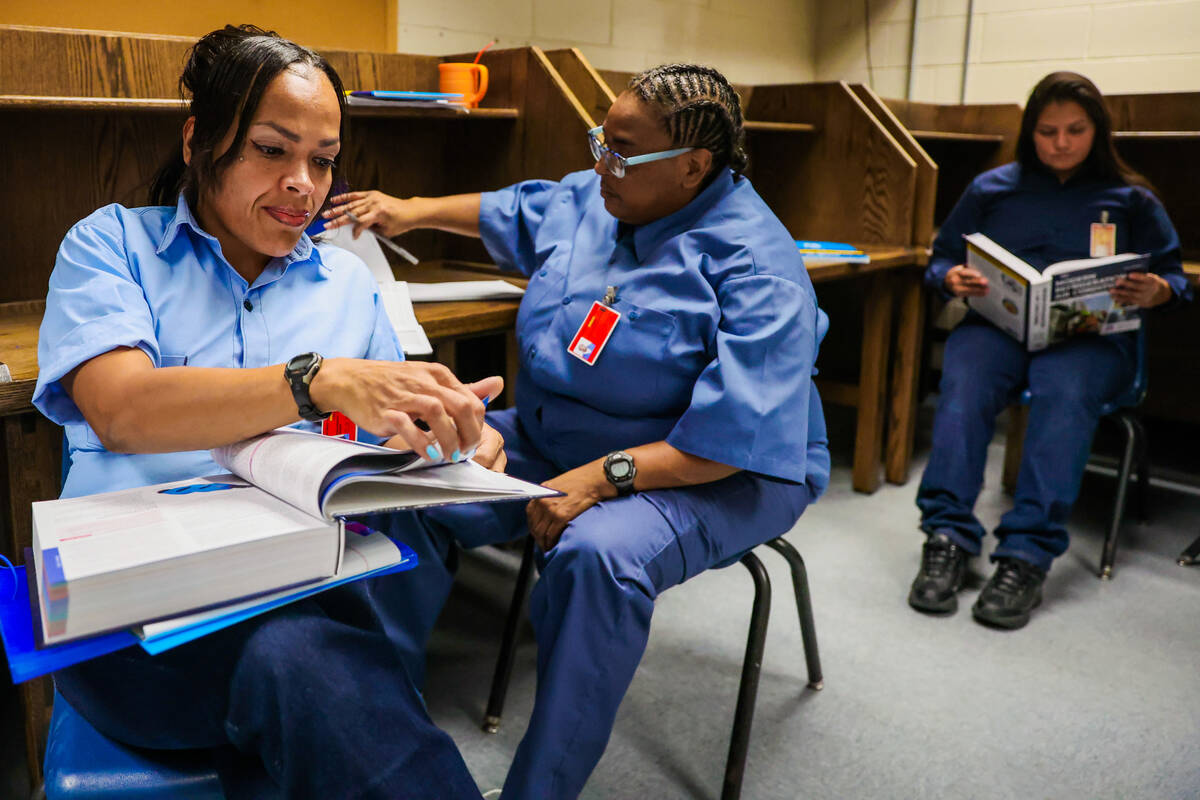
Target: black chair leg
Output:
{"points": [[1133, 438], [808, 630], [508, 648], [1143, 480], [739, 743], [1191, 556]]}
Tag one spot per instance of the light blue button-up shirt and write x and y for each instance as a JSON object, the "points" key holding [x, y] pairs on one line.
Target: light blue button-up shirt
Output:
{"points": [[151, 278], [718, 336]]}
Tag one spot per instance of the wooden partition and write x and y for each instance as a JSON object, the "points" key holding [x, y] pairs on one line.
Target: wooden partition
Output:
{"points": [[1159, 135], [85, 120], [963, 140]]}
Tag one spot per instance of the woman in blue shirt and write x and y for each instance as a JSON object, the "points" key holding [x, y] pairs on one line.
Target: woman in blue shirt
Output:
{"points": [[1053, 204], [166, 333], [688, 436]]}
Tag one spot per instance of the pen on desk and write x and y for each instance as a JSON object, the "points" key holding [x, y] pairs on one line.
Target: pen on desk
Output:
{"points": [[395, 248]]}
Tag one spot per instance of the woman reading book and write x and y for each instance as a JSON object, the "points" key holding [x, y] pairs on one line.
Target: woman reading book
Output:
{"points": [[667, 342], [205, 320], [1068, 196]]}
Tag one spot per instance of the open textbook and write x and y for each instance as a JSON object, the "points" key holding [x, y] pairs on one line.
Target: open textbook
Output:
{"points": [[1066, 299], [109, 561]]}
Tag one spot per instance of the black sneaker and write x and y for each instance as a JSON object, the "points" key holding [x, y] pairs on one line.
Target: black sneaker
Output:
{"points": [[943, 567], [1014, 589]]}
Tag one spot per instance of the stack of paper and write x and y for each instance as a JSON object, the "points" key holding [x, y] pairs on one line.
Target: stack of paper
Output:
{"points": [[816, 253], [453, 291]]}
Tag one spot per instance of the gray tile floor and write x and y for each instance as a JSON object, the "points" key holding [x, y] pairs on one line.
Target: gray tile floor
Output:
{"points": [[1096, 698]]}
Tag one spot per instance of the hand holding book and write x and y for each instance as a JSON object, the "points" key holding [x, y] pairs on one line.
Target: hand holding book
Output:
{"points": [[964, 281], [1142, 289]]}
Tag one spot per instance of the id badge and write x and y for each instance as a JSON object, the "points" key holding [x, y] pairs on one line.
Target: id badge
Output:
{"points": [[594, 333], [339, 426], [1104, 239]]}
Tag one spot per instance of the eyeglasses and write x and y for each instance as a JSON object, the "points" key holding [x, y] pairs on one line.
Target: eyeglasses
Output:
{"points": [[616, 163]]}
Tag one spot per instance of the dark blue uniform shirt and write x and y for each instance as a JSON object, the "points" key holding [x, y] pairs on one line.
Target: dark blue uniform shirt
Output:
{"points": [[1043, 221]]}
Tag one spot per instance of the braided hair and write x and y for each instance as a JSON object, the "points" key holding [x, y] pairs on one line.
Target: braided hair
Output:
{"points": [[699, 109]]}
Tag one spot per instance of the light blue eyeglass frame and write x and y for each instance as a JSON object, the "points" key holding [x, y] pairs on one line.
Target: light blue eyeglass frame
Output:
{"points": [[617, 163]]}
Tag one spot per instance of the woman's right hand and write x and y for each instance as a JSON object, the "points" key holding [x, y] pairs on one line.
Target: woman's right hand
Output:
{"points": [[388, 215], [963, 281], [386, 397]]}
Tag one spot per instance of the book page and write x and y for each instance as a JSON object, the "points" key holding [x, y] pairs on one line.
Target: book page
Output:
{"points": [[293, 465], [463, 482]]}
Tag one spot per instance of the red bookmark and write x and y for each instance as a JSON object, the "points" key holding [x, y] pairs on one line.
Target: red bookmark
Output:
{"points": [[594, 333], [339, 426]]}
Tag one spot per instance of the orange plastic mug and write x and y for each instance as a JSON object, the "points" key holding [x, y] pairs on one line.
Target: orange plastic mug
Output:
{"points": [[469, 80]]}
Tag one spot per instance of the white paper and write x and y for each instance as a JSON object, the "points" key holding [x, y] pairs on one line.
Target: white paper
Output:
{"points": [[394, 293], [453, 291]]}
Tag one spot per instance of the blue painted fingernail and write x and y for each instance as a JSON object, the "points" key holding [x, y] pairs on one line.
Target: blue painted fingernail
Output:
{"points": [[433, 453], [456, 456]]}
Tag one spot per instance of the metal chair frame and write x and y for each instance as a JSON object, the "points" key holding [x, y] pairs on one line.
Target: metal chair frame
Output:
{"points": [[739, 741]]}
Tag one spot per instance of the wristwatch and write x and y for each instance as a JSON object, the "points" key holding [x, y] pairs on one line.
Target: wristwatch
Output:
{"points": [[620, 471], [299, 372]]}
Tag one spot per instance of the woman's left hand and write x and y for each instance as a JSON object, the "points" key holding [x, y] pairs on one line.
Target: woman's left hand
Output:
{"points": [[490, 452], [1143, 289], [548, 516]]}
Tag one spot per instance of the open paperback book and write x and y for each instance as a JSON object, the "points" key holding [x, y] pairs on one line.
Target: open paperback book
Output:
{"points": [[110, 561], [1066, 299]]}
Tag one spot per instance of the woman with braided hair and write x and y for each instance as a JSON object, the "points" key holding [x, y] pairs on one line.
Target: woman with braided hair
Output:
{"points": [[667, 342]]}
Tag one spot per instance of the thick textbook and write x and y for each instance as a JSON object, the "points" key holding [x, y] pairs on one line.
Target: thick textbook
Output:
{"points": [[114, 560], [1069, 298], [28, 659]]}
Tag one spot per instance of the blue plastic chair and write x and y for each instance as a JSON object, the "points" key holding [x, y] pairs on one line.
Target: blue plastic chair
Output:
{"points": [[83, 764], [1122, 411]]}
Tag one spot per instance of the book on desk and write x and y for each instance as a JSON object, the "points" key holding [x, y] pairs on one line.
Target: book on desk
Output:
{"points": [[120, 559]]}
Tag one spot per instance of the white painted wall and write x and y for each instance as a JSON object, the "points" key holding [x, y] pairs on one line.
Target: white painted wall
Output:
{"points": [[1124, 46], [751, 41]]}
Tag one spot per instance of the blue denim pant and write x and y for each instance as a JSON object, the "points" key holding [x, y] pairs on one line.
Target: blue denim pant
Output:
{"points": [[592, 603], [984, 370], [310, 701]]}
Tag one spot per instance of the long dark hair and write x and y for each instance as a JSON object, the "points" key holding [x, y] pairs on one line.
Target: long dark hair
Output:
{"points": [[226, 73], [699, 109], [1103, 162]]}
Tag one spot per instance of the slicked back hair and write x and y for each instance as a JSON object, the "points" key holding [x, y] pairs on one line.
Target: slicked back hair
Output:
{"points": [[226, 74], [699, 109]]}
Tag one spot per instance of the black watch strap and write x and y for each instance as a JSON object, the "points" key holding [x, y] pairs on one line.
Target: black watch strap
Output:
{"points": [[299, 372]]}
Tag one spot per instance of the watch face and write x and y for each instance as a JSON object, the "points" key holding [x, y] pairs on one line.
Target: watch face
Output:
{"points": [[299, 363], [619, 469]]}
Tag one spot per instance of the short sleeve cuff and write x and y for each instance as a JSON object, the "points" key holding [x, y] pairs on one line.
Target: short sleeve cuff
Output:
{"points": [[84, 342], [693, 436]]}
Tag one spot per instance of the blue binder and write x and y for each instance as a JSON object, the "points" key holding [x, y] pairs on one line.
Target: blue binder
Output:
{"points": [[27, 661]]}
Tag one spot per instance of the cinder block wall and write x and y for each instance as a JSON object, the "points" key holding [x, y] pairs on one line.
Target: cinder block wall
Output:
{"points": [[751, 41], [1125, 46]]}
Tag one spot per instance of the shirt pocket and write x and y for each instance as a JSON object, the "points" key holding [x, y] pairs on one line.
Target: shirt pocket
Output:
{"points": [[641, 345]]}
